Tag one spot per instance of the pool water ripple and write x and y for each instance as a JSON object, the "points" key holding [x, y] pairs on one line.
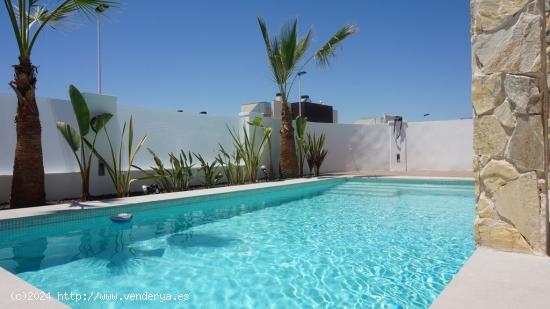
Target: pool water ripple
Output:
{"points": [[355, 244]]}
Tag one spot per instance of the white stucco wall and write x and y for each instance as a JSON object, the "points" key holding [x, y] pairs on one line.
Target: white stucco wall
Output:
{"points": [[57, 158], [353, 147], [440, 145], [171, 131], [434, 145], [350, 147], [423, 146], [166, 131]]}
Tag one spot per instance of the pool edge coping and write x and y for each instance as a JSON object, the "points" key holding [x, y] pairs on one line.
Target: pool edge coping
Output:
{"points": [[19, 288], [64, 208]]}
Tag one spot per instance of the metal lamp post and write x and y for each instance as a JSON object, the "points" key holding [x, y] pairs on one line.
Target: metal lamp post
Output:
{"points": [[99, 10], [300, 91]]}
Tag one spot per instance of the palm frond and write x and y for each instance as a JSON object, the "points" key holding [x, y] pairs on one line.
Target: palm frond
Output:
{"points": [[15, 26], [63, 11], [303, 45], [287, 45], [265, 35], [284, 52], [327, 51]]}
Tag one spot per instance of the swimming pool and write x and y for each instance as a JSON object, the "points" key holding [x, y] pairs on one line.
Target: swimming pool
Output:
{"points": [[335, 243]]}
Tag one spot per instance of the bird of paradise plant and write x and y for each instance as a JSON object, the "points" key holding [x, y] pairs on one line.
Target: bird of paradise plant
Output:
{"points": [[76, 140]]}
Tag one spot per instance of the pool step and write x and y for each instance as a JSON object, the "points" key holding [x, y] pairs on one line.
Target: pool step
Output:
{"points": [[373, 190], [409, 188], [371, 193], [404, 186]]}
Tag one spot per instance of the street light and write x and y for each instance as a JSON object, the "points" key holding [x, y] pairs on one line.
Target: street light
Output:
{"points": [[300, 91], [98, 11]]}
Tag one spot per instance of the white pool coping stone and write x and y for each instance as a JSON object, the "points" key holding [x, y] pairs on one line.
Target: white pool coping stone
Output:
{"points": [[492, 279], [69, 207], [15, 289], [18, 285]]}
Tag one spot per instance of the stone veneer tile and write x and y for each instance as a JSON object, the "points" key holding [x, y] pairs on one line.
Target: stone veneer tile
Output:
{"points": [[486, 208], [515, 49], [487, 92], [518, 202], [526, 147], [499, 235], [489, 137], [497, 173], [505, 115], [523, 93], [489, 15]]}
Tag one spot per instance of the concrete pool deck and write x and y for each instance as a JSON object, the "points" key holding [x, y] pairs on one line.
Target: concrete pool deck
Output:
{"points": [[492, 279], [17, 293]]}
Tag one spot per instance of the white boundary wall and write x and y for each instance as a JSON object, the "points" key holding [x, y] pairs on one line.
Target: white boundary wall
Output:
{"points": [[440, 145], [166, 131], [350, 147], [424, 146]]}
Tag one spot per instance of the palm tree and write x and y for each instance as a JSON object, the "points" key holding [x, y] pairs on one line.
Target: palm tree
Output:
{"points": [[285, 53], [28, 18]]}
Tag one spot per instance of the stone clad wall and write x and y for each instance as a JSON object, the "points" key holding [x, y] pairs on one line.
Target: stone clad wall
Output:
{"points": [[509, 87]]}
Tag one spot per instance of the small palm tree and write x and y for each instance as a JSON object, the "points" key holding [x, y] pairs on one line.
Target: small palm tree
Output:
{"points": [[28, 19], [286, 53]]}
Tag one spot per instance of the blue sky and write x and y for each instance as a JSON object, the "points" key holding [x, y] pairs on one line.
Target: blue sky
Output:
{"points": [[408, 58]]}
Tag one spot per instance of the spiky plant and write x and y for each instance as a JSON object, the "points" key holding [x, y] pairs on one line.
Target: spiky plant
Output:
{"points": [[231, 165], [210, 170], [301, 123], [286, 55], [315, 152], [28, 19], [120, 175], [251, 146], [175, 178]]}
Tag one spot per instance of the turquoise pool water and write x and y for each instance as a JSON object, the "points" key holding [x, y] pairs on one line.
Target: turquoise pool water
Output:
{"points": [[363, 243]]}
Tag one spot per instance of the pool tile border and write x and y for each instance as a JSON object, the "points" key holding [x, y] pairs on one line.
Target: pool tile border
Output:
{"points": [[26, 217]]}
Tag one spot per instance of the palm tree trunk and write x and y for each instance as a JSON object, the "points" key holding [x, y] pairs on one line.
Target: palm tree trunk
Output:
{"points": [[27, 186], [288, 165]]}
